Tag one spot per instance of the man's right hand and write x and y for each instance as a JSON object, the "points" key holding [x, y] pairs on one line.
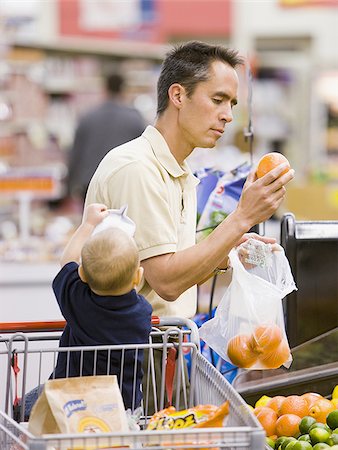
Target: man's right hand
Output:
{"points": [[262, 197]]}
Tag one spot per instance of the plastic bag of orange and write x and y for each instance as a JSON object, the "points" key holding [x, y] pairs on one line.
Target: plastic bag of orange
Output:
{"points": [[201, 416], [248, 327]]}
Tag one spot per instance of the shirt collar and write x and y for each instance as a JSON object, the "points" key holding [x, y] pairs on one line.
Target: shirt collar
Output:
{"points": [[166, 158], [115, 302]]}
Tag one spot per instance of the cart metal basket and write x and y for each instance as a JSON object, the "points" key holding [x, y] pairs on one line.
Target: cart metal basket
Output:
{"points": [[200, 384]]}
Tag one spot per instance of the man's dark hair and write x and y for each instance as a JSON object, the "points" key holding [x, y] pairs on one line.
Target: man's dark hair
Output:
{"points": [[114, 83], [188, 64]]}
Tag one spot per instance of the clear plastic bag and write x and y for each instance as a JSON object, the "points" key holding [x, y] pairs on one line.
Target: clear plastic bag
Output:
{"points": [[248, 328], [267, 261]]}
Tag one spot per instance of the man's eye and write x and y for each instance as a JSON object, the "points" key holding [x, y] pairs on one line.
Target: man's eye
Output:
{"points": [[217, 101]]}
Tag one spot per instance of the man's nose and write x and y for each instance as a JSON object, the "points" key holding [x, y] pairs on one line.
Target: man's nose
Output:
{"points": [[226, 114]]}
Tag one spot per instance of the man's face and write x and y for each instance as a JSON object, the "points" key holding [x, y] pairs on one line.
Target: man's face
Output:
{"points": [[205, 113]]}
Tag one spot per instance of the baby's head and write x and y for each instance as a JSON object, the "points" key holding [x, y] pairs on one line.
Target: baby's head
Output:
{"points": [[110, 262]]}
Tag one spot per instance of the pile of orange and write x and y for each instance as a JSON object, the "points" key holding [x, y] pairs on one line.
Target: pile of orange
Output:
{"points": [[281, 415], [265, 346]]}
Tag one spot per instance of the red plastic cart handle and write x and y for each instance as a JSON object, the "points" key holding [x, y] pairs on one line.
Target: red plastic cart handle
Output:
{"points": [[53, 325]]}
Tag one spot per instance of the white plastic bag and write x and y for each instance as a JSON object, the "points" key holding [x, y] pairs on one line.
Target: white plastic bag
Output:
{"points": [[248, 328], [268, 262], [117, 218]]}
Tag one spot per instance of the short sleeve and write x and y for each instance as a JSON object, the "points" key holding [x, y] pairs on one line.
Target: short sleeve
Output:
{"points": [[142, 189], [64, 284]]}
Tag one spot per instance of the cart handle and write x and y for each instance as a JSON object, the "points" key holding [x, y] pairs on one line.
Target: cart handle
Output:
{"points": [[53, 325]]}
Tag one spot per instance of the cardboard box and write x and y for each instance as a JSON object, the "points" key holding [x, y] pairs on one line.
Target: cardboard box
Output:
{"points": [[312, 201]]}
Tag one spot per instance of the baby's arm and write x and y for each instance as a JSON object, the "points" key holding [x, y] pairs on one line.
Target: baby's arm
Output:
{"points": [[92, 216]]}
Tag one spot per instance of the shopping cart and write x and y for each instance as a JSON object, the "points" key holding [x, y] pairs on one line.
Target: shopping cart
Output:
{"points": [[202, 384]]}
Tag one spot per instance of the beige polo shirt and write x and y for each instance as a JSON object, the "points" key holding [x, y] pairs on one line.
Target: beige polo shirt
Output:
{"points": [[161, 199]]}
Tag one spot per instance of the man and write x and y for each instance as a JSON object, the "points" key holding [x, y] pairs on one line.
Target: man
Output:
{"points": [[110, 124], [197, 90]]}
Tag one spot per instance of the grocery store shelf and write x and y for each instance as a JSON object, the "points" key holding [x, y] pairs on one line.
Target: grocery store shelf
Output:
{"points": [[23, 274], [98, 47], [70, 85]]}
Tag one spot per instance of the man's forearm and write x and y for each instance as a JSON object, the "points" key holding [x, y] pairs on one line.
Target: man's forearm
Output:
{"points": [[170, 275]]}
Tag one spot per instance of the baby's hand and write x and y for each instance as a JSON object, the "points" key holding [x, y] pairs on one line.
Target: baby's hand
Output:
{"points": [[94, 214]]}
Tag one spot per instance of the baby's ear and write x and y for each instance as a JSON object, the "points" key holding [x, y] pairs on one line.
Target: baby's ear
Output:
{"points": [[138, 276], [81, 273]]}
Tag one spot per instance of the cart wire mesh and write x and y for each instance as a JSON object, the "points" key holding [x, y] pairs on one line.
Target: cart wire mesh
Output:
{"points": [[201, 383]]}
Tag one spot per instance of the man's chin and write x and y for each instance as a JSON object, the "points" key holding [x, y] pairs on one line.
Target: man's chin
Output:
{"points": [[211, 144]]}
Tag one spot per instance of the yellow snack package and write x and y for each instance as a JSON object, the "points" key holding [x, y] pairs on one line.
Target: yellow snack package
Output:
{"points": [[201, 416]]}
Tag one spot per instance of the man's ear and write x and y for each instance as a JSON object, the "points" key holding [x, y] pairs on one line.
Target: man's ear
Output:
{"points": [[176, 94], [81, 273], [138, 276]]}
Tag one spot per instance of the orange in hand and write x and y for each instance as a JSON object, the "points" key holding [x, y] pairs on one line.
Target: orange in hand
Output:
{"points": [[269, 162]]}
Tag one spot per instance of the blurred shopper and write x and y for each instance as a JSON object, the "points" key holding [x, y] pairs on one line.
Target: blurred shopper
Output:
{"points": [[197, 90], [109, 125], [100, 307]]}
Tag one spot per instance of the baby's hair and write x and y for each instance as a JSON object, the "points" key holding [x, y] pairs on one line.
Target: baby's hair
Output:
{"points": [[109, 259]]}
